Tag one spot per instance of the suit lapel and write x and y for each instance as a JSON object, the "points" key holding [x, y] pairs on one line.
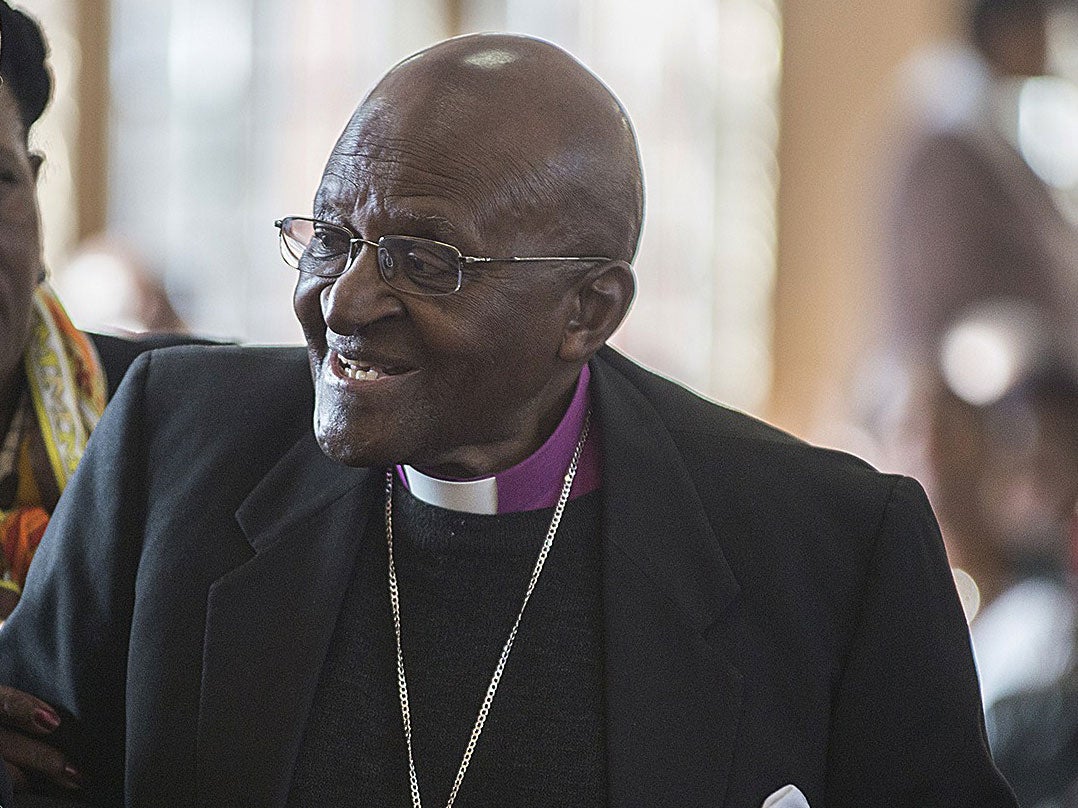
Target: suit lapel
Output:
{"points": [[672, 694], [673, 697], [269, 623]]}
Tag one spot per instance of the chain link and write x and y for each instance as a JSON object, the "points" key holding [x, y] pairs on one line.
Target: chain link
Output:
{"points": [[394, 602]]}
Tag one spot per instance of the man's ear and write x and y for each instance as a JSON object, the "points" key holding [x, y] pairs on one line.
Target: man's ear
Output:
{"points": [[600, 302]]}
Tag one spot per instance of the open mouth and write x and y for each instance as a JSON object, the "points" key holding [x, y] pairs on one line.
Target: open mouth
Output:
{"points": [[364, 371]]}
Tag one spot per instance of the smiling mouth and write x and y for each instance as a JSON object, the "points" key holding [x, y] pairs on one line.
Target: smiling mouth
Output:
{"points": [[364, 371]]}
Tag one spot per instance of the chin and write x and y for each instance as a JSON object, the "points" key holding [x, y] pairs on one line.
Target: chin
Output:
{"points": [[344, 454], [348, 452], [353, 444], [339, 445]]}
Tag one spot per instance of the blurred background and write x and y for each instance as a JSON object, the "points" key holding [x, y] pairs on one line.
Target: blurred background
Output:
{"points": [[862, 226]]}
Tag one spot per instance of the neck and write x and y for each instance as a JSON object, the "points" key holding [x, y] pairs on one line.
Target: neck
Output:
{"points": [[532, 483], [475, 462]]}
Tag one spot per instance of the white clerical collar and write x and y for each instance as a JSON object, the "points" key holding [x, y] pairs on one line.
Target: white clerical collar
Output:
{"points": [[469, 496], [533, 483]]}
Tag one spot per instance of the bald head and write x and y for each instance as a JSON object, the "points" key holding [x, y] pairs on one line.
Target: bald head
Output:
{"points": [[519, 132], [504, 148]]}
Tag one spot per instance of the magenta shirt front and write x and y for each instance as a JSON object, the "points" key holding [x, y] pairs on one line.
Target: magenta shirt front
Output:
{"points": [[536, 481]]}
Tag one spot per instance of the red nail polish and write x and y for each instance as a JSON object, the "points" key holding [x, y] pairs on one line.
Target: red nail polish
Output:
{"points": [[46, 719]]}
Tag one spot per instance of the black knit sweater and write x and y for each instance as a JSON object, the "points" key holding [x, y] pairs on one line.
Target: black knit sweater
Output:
{"points": [[462, 578]]}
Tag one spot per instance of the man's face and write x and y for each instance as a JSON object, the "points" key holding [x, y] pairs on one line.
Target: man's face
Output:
{"points": [[20, 240], [466, 383]]}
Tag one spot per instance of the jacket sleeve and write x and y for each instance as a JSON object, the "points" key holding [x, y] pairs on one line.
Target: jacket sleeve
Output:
{"points": [[67, 641], [907, 726]]}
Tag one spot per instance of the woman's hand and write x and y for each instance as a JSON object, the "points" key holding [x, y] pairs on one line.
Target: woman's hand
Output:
{"points": [[25, 723]]}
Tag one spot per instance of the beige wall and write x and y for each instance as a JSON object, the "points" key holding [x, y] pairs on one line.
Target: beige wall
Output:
{"points": [[839, 60], [73, 132], [91, 148]]}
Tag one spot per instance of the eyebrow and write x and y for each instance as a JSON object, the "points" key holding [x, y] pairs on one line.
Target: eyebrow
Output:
{"points": [[442, 227], [420, 225]]}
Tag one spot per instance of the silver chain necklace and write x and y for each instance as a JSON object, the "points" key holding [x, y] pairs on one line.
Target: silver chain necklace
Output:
{"points": [[394, 600]]}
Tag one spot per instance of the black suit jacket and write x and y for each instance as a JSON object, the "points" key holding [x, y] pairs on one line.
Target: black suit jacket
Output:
{"points": [[117, 353], [774, 613]]}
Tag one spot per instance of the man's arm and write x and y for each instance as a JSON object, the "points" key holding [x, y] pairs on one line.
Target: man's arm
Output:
{"points": [[907, 726]]}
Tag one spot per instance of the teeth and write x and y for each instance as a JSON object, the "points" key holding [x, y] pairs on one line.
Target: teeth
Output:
{"points": [[354, 370]]}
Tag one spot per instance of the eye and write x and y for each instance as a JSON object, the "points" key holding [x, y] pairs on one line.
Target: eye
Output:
{"points": [[328, 242], [417, 265], [423, 262], [415, 262]]}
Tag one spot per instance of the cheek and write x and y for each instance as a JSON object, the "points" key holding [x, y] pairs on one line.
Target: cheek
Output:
{"points": [[16, 301], [526, 332], [498, 353], [307, 304], [20, 265], [475, 336]]}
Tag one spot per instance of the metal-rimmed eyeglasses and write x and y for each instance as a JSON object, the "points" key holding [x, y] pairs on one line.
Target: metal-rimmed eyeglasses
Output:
{"points": [[415, 266]]}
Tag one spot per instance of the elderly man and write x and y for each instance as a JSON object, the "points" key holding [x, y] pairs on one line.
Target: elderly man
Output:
{"points": [[508, 566]]}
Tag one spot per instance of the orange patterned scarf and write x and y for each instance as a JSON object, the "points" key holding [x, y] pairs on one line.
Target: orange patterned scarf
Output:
{"points": [[67, 393]]}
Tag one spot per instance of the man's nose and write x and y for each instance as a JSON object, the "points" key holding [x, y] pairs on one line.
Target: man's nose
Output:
{"points": [[359, 296]]}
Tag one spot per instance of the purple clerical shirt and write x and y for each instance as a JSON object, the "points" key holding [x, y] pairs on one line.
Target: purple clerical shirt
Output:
{"points": [[536, 481]]}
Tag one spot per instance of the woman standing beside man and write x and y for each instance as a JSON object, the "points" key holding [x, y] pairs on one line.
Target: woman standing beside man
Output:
{"points": [[54, 379]]}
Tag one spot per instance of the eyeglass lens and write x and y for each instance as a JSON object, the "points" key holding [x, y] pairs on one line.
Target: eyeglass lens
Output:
{"points": [[407, 264]]}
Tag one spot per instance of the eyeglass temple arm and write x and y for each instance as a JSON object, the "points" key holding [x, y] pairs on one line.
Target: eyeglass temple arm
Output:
{"points": [[469, 259]]}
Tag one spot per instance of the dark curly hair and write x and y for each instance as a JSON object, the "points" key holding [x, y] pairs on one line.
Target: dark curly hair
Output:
{"points": [[22, 64]]}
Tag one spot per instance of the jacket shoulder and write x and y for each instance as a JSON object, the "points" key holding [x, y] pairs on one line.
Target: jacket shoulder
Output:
{"points": [[739, 464], [699, 425], [117, 353], [220, 395]]}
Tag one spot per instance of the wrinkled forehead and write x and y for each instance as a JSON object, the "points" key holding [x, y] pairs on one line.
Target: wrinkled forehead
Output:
{"points": [[404, 175], [406, 155]]}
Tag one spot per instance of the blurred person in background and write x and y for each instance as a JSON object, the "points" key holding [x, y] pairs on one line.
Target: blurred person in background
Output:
{"points": [[968, 220], [1034, 732], [1035, 743], [54, 379], [1001, 445], [980, 262], [981, 293]]}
